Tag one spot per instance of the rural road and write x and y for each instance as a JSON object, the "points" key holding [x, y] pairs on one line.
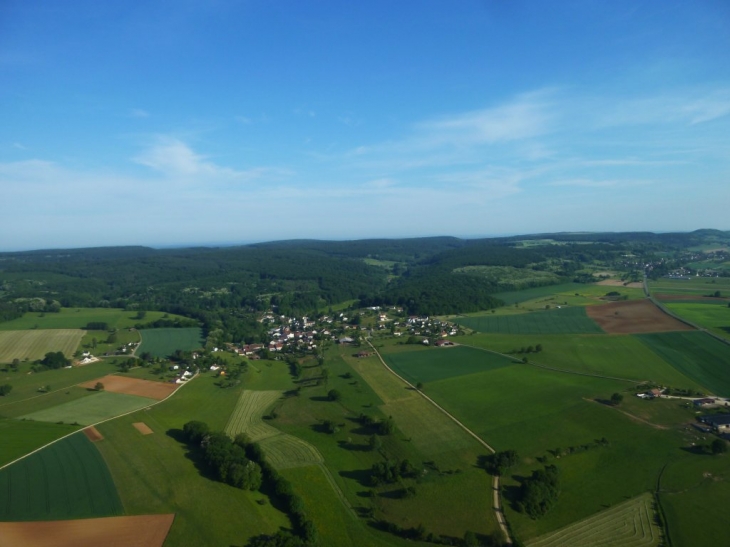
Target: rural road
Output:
{"points": [[497, 501]]}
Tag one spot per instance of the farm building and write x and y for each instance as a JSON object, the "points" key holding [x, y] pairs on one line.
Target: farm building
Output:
{"points": [[719, 422], [704, 402]]}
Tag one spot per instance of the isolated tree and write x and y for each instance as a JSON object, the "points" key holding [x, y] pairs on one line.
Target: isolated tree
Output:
{"points": [[14, 365], [538, 348], [718, 446], [5, 389], [334, 395], [616, 399], [99, 386], [470, 539], [375, 443], [419, 386]]}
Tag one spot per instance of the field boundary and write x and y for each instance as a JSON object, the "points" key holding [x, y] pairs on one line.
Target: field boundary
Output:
{"points": [[497, 502], [94, 425], [687, 322]]}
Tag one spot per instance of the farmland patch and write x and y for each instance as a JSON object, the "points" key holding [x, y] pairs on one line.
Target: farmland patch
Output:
{"points": [[440, 363], [90, 410], [634, 316], [143, 428], [137, 531], [133, 386], [93, 434], [21, 437], [164, 342], [572, 320], [34, 344], [697, 355], [625, 525], [68, 479]]}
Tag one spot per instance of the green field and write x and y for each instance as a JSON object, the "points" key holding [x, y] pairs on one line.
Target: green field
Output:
{"points": [[440, 363], [628, 524], [554, 321], [27, 383], [34, 344], [514, 297], [697, 285], [619, 356], [508, 277], [535, 411], [43, 401], [158, 474], [164, 342], [66, 480], [78, 318], [21, 437], [566, 294], [709, 315], [697, 355], [90, 410]]}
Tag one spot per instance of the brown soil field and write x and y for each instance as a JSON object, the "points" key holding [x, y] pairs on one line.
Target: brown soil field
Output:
{"points": [[140, 531], [93, 434], [133, 386], [619, 283], [143, 428], [633, 316], [696, 297]]}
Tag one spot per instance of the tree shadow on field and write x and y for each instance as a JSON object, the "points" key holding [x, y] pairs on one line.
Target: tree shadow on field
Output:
{"points": [[192, 453], [348, 445], [362, 476], [319, 398]]}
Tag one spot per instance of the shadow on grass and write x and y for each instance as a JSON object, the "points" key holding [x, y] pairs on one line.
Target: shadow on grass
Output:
{"points": [[194, 454], [362, 476], [320, 398], [348, 445]]}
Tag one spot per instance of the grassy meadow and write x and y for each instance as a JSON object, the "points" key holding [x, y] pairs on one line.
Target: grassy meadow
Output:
{"points": [[66, 480], [164, 342], [713, 316], [566, 294], [78, 318], [697, 286], [21, 437], [90, 410]]}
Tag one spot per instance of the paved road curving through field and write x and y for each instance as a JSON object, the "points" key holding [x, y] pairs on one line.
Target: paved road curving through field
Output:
{"points": [[496, 499]]}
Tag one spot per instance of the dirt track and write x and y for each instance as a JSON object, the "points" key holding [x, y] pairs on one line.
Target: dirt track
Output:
{"points": [[93, 434], [133, 386], [633, 317], [139, 531]]}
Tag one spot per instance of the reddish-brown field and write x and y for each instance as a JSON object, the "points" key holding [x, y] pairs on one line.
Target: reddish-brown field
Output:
{"points": [[133, 386], [140, 531], [632, 317], [143, 428], [93, 434]]}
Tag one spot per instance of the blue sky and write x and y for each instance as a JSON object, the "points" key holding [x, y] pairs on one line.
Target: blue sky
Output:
{"points": [[199, 122]]}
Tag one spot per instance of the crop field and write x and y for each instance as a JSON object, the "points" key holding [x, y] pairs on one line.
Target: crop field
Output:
{"points": [[514, 297], [78, 318], [635, 316], [698, 286], [66, 480], [137, 531], [625, 525], [116, 383], [282, 450], [697, 355], [440, 363], [164, 342], [158, 474], [616, 356], [554, 321], [34, 344], [508, 277], [21, 437], [90, 410], [709, 315], [247, 416], [566, 294], [44, 401]]}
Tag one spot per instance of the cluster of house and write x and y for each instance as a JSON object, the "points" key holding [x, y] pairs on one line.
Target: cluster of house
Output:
{"points": [[651, 394], [718, 422], [183, 375]]}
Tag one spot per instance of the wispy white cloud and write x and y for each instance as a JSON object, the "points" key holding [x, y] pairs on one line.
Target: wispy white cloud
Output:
{"points": [[138, 113], [600, 183]]}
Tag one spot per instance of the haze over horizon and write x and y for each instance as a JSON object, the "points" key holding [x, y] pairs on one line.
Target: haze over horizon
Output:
{"points": [[172, 124]]}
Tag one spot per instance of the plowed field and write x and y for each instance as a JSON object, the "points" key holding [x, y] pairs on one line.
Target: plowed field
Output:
{"points": [[633, 317], [133, 386], [139, 531]]}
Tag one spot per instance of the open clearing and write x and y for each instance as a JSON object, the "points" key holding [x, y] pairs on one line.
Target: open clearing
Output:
{"points": [[625, 525], [572, 320], [281, 449], [78, 318], [633, 317], [439, 363], [90, 410], [138, 531], [34, 344], [133, 386], [619, 283], [697, 355], [68, 479], [164, 342]]}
